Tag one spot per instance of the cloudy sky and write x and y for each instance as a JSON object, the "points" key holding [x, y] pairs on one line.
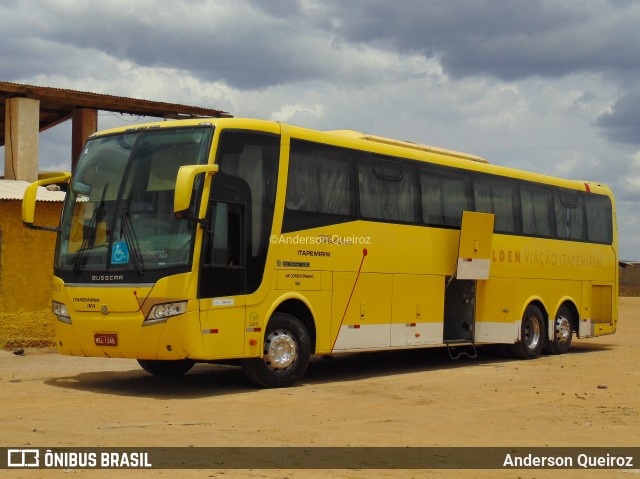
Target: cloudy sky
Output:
{"points": [[549, 86]]}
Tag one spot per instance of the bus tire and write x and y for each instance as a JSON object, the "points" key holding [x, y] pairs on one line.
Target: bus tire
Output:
{"points": [[166, 368], [287, 350], [532, 334], [562, 332]]}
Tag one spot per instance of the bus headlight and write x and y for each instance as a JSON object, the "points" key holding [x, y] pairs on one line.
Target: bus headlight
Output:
{"points": [[61, 312], [161, 312]]}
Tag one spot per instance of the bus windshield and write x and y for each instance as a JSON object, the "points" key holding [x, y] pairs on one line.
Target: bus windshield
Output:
{"points": [[118, 214]]}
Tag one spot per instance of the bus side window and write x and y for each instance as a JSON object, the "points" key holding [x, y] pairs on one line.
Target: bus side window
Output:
{"points": [[225, 235], [319, 180], [387, 190], [569, 215], [599, 220], [223, 271], [536, 211], [497, 196], [444, 198], [320, 187]]}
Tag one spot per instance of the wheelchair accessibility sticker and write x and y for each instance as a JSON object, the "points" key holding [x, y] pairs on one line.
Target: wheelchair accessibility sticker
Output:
{"points": [[120, 253]]}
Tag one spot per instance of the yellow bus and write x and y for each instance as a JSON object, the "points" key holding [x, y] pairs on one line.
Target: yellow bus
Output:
{"points": [[261, 243]]}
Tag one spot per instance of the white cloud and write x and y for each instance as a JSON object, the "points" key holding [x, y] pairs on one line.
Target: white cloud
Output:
{"points": [[632, 181], [297, 113]]}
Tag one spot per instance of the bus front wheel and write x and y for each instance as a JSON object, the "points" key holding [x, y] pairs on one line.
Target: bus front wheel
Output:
{"points": [[172, 367], [287, 351], [562, 332], [532, 334]]}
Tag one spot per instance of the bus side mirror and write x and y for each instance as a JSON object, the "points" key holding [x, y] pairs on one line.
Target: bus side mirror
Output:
{"points": [[29, 199], [184, 184]]}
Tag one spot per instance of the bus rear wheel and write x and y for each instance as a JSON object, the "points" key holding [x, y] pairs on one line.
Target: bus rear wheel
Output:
{"points": [[173, 367], [562, 332], [532, 334], [287, 350]]}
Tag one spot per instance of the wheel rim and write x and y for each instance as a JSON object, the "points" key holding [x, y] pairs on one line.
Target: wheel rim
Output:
{"points": [[532, 333], [280, 350], [563, 329]]}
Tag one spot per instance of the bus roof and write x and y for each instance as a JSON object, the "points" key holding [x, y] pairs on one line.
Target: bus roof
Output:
{"points": [[407, 144]]}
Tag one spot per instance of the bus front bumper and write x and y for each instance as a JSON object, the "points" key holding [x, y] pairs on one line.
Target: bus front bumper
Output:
{"points": [[123, 335]]}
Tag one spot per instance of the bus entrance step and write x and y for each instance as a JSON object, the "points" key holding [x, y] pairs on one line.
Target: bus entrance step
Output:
{"points": [[461, 348]]}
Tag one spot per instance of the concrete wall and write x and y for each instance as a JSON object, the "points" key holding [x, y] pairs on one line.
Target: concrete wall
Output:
{"points": [[26, 269]]}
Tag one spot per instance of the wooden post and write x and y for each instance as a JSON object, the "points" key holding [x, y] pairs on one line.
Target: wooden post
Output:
{"points": [[84, 124]]}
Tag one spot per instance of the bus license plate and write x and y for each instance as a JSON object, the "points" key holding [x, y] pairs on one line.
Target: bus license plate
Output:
{"points": [[105, 339]]}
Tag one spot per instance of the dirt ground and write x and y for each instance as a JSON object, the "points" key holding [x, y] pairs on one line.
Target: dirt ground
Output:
{"points": [[588, 397]]}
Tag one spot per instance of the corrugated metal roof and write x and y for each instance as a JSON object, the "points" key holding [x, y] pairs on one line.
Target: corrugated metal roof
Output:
{"points": [[14, 190]]}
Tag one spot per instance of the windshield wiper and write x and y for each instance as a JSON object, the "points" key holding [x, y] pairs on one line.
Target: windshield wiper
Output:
{"points": [[89, 233], [130, 236]]}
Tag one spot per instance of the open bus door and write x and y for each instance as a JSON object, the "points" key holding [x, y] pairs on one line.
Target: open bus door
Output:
{"points": [[473, 265]]}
